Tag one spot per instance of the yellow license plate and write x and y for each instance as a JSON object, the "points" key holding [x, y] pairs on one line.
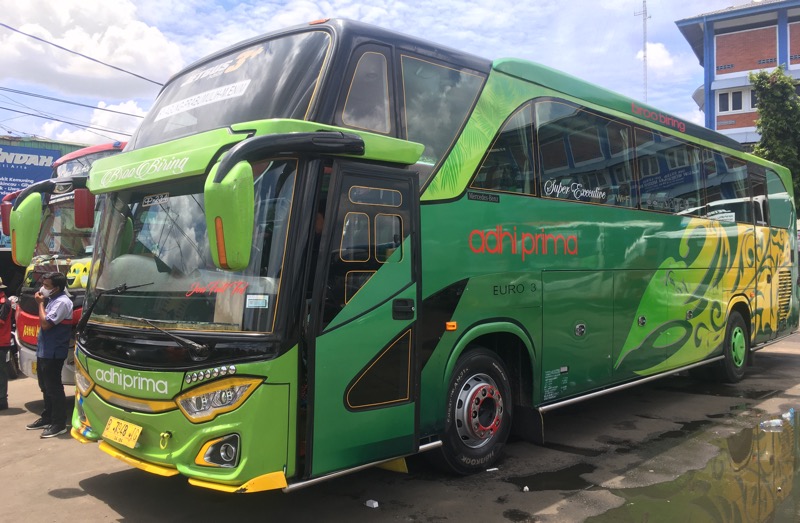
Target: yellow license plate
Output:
{"points": [[33, 368], [122, 432]]}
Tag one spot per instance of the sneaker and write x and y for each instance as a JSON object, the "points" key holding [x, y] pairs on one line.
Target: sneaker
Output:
{"points": [[38, 424], [53, 431]]}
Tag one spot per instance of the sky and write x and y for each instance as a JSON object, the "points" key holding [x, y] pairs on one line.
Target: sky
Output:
{"points": [[597, 40]]}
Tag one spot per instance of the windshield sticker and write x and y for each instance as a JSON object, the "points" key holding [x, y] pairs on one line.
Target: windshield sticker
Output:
{"points": [[155, 199], [227, 66], [226, 92], [218, 287], [163, 165], [257, 301]]}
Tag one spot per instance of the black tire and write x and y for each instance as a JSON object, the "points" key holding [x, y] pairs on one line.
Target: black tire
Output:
{"points": [[736, 350], [479, 411]]}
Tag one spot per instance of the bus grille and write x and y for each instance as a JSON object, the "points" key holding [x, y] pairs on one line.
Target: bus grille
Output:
{"points": [[784, 293]]}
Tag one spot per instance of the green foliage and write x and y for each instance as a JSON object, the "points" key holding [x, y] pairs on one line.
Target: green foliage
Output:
{"points": [[779, 120]]}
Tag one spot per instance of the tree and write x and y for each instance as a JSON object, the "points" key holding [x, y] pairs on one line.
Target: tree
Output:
{"points": [[778, 121]]}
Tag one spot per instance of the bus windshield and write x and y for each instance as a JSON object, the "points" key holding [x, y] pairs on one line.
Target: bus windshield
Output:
{"points": [[159, 242], [272, 79], [58, 235]]}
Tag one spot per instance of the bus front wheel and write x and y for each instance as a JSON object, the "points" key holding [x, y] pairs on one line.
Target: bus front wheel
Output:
{"points": [[736, 350], [479, 409]]}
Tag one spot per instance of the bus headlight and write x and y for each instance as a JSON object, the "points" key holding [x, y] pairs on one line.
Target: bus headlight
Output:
{"points": [[208, 401], [82, 380]]}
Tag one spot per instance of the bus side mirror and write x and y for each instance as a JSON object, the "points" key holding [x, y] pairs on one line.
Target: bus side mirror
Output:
{"points": [[84, 208], [25, 222], [230, 214], [5, 215]]}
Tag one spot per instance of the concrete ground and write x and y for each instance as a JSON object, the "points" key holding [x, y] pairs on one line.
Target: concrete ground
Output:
{"points": [[599, 457]]}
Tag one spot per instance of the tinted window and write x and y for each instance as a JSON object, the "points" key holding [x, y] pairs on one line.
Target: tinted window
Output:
{"points": [[509, 164], [670, 177], [437, 101], [758, 185], [727, 191], [367, 104], [780, 205], [271, 79], [584, 156]]}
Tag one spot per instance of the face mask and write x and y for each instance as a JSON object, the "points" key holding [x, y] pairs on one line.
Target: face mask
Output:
{"points": [[44, 292]]}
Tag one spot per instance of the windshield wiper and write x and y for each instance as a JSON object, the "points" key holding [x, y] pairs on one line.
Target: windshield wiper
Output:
{"points": [[197, 351], [87, 311]]}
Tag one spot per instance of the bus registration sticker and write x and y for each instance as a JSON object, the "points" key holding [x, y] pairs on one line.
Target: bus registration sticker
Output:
{"points": [[257, 301], [122, 432]]}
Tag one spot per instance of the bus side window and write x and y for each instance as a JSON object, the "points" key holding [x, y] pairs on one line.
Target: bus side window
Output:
{"points": [[728, 192], [367, 104], [758, 184], [436, 103], [584, 156], [508, 166]]}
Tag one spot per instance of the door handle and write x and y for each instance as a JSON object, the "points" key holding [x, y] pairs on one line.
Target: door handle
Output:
{"points": [[403, 309]]}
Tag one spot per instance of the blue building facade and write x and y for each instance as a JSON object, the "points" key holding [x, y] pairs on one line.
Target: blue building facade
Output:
{"points": [[730, 44]]}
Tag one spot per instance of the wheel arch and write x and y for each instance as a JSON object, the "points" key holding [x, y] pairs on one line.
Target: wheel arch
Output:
{"points": [[741, 304], [512, 344]]}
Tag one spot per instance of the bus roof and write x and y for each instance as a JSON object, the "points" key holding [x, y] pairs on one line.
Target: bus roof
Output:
{"points": [[89, 150], [351, 33]]}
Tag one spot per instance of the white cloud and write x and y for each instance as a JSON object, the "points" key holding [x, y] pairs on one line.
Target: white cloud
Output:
{"points": [[597, 40], [103, 124], [102, 29]]}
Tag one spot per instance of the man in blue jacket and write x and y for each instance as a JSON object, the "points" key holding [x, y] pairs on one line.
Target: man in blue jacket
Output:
{"points": [[55, 331]]}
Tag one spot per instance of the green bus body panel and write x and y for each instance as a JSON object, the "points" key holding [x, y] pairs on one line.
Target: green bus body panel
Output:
{"points": [[192, 155], [168, 161], [614, 267], [577, 353], [25, 222], [266, 421], [139, 384], [338, 430]]}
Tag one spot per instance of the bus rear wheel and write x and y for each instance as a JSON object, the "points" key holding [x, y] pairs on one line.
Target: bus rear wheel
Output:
{"points": [[479, 409], [735, 350]]}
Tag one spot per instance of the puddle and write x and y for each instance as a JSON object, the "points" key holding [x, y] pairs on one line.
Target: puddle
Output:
{"points": [[564, 479], [752, 478]]}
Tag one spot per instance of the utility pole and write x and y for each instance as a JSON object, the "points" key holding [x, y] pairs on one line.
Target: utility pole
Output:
{"points": [[643, 14]]}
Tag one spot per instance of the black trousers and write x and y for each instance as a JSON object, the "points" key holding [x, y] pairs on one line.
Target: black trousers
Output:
{"points": [[3, 375], [55, 401]]}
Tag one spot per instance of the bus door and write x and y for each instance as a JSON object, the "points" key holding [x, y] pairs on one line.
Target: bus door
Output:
{"points": [[363, 368]]}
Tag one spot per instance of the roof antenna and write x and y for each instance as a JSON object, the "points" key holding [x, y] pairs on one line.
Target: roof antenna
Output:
{"points": [[643, 14]]}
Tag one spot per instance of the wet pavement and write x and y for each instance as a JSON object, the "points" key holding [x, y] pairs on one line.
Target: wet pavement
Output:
{"points": [[676, 450]]}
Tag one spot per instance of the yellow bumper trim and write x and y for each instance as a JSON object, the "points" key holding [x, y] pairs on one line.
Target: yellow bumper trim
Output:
{"points": [[78, 436], [271, 481], [139, 464]]}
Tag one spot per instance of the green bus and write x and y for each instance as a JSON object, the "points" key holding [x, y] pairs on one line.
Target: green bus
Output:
{"points": [[335, 246]]}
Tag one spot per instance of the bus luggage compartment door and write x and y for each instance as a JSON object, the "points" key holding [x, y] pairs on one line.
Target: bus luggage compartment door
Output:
{"points": [[577, 331]]}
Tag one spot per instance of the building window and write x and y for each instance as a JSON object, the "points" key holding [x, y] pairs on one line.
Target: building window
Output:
{"points": [[736, 101]]}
